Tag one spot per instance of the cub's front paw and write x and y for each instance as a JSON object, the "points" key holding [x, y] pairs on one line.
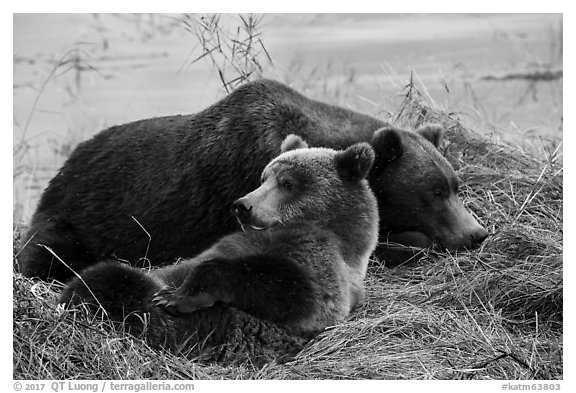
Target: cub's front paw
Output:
{"points": [[175, 303], [166, 300]]}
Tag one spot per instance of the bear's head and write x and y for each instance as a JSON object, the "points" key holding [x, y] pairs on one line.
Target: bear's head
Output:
{"points": [[320, 185], [417, 192]]}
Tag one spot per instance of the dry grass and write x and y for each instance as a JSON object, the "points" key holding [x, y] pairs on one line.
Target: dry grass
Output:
{"points": [[236, 55], [495, 313]]}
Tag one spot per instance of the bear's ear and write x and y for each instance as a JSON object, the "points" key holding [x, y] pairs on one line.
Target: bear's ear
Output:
{"points": [[432, 132], [355, 162], [292, 142], [388, 146]]}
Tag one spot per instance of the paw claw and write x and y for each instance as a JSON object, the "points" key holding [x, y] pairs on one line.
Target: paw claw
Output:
{"points": [[175, 304], [163, 298]]}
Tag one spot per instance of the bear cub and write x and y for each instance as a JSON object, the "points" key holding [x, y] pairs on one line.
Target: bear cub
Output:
{"points": [[300, 261]]}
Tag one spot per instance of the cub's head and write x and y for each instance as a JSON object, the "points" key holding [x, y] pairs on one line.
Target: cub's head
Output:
{"points": [[322, 185]]}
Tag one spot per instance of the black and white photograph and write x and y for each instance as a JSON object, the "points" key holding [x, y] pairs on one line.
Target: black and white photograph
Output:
{"points": [[287, 196]]}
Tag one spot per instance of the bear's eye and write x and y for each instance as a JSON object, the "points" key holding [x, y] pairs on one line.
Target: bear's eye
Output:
{"points": [[286, 184], [439, 193]]}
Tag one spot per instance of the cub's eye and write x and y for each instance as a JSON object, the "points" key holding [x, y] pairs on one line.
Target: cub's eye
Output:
{"points": [[286, 184]]}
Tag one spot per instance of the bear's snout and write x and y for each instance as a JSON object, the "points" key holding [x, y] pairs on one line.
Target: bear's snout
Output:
{"points": [[241, 209], [477, 237], [252, 211]]}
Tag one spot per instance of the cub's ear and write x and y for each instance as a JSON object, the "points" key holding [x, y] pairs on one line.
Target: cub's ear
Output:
{"points": [[388, 146], [292, 142], [432, 132], [355, 162]]}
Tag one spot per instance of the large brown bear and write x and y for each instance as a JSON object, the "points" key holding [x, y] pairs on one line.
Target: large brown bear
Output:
{"points": [[155, 190], [302, 269]]}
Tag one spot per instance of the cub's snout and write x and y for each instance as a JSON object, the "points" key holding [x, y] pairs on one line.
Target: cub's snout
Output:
{"points": [[241, 209]]}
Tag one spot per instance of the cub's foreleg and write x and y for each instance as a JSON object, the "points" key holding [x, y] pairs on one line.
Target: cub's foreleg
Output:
{"points": [[274, 288]]}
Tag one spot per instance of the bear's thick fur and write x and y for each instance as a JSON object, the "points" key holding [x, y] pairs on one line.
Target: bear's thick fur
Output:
{"points": [[303, 268], [155, 190]]}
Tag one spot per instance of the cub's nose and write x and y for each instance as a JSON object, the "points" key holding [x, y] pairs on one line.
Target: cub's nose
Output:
{"points": [[241, 209]]}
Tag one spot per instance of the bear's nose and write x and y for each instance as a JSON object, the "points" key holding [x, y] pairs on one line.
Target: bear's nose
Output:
{"points": [[241, 209], [478, 237]]}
